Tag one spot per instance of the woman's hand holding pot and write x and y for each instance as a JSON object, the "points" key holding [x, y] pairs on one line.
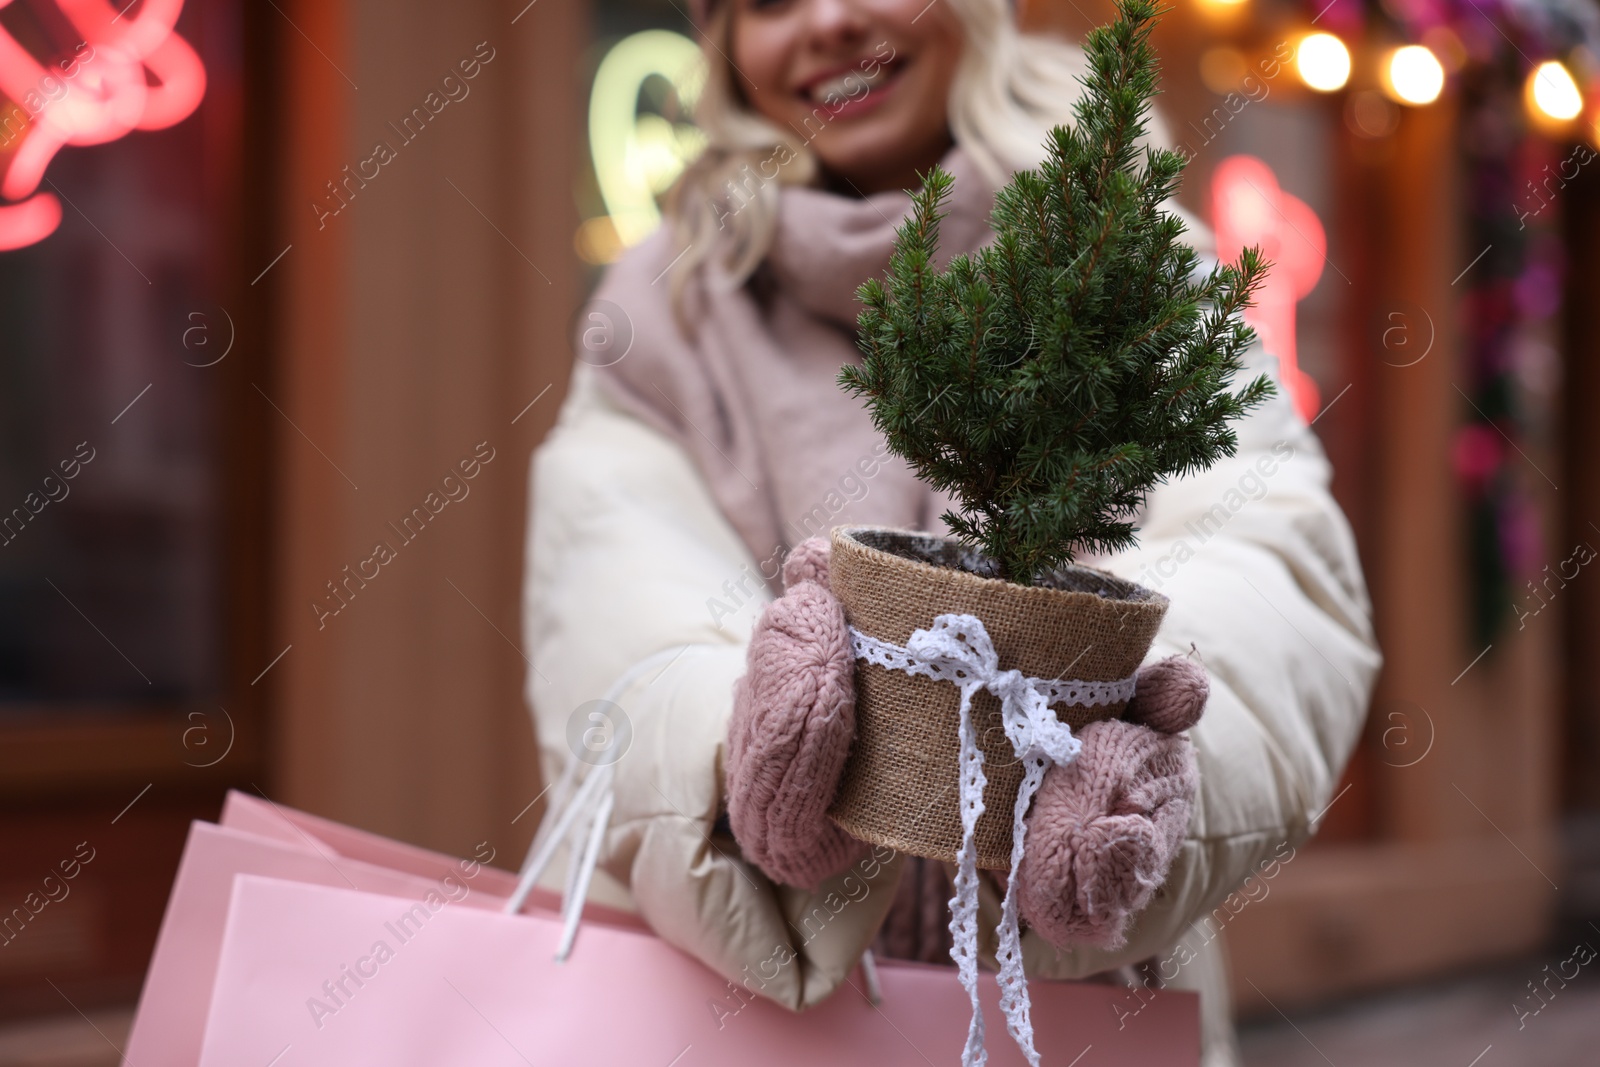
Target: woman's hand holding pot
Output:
{"points": [[1105, 828], [1102, 831], [793, 720]]}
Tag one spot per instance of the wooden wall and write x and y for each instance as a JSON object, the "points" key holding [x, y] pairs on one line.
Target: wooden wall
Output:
{"points": [[420, 320]]}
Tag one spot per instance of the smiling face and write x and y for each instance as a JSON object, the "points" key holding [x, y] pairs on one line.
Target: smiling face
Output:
{"points": [[865, 83]]}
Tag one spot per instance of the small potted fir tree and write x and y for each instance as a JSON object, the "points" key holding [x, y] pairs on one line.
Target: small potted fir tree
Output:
{"points": [[1046, 382]]}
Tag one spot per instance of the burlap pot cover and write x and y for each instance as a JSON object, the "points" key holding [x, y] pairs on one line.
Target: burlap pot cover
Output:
{"points": [[902, 782]]}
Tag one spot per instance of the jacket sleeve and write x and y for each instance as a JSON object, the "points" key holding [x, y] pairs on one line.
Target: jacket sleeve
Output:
{"points": [[628, 557], [1265, 585]]}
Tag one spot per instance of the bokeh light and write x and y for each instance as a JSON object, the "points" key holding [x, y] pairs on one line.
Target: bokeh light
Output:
{"points": [[1554, 93], [1415, 75], [1323, 62]]}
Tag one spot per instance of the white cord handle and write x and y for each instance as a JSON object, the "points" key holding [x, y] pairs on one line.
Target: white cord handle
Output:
{"points": [[583, 818]]}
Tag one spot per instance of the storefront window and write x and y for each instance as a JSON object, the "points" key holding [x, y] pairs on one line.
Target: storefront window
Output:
{"points": [[112, 331]]}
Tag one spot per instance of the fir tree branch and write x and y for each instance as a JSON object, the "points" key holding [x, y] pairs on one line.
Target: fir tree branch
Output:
{"points": [[1050, 381]]}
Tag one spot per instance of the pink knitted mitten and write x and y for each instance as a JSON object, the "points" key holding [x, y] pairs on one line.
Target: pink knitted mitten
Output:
{"points": [[793, 721], [1105, 827]]}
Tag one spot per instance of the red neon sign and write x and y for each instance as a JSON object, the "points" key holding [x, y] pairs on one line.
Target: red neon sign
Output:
{"points": [[1248, 208], [128, 72]]}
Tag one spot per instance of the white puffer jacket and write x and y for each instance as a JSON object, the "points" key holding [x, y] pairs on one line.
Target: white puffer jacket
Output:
{"points": [[628, 556]]}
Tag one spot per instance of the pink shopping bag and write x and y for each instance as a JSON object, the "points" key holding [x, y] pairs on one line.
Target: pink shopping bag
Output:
{"points": [[313, 975], [259, 837], [264, 818]]}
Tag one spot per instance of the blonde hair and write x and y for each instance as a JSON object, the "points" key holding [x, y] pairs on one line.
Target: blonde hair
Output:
{"points": [[1009, 89]]}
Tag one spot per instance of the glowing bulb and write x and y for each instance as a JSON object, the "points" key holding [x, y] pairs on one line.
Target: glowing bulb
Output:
{"points": [[1324, 62], [1554, 92], [1415, 75]]}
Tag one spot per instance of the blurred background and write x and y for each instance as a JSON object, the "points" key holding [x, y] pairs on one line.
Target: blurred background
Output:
{"points": [[266, 276]]}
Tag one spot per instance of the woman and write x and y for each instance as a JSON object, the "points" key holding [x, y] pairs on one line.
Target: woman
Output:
{"points": [[684, 469]]}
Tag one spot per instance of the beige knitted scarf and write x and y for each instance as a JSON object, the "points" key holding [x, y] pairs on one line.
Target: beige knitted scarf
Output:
{"points": [[752, 396]]}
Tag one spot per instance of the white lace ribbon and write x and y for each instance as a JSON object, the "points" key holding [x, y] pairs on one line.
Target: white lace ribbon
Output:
{"points": [[957, 649]]}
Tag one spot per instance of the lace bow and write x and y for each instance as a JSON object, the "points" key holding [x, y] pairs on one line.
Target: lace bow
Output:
{"points": [[957, 649]]}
